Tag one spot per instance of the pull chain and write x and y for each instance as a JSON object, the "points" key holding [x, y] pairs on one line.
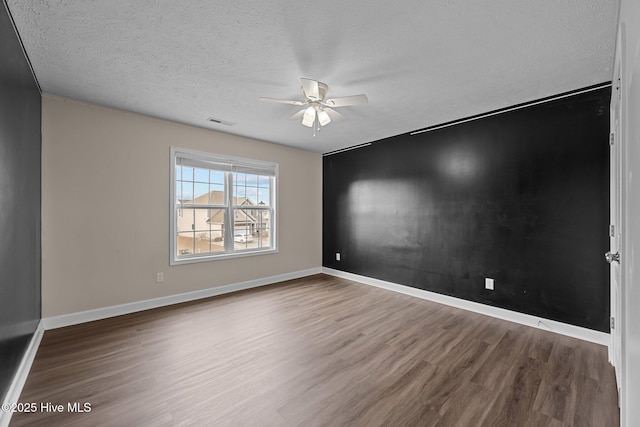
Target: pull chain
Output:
{"points": [[316, 125]]}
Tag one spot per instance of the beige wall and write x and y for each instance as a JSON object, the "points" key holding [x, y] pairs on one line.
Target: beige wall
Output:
{"points": [[105, 208]]}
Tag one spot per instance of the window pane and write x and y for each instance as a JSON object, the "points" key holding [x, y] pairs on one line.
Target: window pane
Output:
{"points": [[200, 231], [263, 234], [216, 177], [201, 175], [246, 189], [216, 196], [208, 242], [251, 229], [251, 180], [239, 192], [264, 197], [185, 244], [185, 190], [238, 179], [201, 193], [186, 174], [251, 195], [215, 220], [178, 191], [185, 219]]}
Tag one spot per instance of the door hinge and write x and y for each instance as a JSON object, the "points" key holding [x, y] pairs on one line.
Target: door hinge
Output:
{"points": [[612, 322], [618, 89], [612, 138], [612, 230]]}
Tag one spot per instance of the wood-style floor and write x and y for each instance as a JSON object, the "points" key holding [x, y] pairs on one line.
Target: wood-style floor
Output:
{"points": [[318, 351]]}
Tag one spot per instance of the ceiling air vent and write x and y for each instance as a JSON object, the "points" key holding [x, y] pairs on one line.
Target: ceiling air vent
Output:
{"points": [[220, 121]]}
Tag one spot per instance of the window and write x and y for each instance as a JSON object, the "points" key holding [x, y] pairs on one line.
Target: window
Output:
{"points": [[221, 206]]}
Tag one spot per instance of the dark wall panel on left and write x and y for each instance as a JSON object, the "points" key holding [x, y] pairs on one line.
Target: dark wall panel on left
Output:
{"points": [[20, 194]]}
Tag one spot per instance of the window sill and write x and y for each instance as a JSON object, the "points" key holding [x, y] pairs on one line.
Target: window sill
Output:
{"points": [[206, 258]]}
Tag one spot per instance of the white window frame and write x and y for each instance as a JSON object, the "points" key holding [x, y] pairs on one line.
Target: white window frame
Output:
{"points": [[232, 163]]}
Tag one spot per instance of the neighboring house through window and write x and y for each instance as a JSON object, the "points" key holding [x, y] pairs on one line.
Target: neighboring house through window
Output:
{"points": [[221, 206]]}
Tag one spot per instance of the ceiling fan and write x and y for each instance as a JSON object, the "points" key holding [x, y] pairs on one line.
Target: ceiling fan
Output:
{"points": [[317, 110]]}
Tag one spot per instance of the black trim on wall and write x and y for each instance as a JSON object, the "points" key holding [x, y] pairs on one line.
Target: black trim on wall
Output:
{"points": [[24, 51], [513, 108], [20, 195], [521, 197]]}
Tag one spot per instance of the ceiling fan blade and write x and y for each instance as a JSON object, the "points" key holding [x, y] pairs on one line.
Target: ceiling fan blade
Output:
{"points": [[345, 101], [335, 116], [282, 101], [298, 115], [310, 89]]}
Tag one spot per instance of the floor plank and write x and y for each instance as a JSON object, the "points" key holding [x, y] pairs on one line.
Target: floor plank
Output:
{"points": [[317, 351]]}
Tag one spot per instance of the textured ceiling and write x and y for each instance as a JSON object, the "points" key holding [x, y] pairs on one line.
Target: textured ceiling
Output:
{"points": [[421, 63]]}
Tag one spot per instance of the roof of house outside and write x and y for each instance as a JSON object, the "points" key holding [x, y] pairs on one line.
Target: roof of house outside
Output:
{"points": [[217, 198]]}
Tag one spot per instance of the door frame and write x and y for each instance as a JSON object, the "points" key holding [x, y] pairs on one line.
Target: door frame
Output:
{"points": [[618, 216]]}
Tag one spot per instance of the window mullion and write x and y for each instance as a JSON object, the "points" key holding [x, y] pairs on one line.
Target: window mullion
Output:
{"points": [[228, 214]]}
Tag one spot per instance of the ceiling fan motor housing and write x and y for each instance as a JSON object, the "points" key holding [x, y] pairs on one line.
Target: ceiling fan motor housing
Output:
{"points": [[322, 92]]}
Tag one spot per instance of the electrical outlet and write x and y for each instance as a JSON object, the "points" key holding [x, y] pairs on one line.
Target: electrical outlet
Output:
{"points": [[159, 277], [337, 256], [488, 283]]}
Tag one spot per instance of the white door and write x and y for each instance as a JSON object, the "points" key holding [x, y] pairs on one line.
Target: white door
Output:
{"points": [[615, 233], [613, 256]]}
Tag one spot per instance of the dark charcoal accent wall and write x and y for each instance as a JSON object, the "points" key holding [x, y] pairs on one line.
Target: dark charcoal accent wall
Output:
{"points": [[20, 149], [521, 197]]}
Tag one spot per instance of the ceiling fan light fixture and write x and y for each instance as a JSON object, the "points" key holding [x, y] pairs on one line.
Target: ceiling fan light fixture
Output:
{"points": [[309, 117], [323, 118]]}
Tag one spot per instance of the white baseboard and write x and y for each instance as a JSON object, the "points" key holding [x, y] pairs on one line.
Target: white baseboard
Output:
{"points": [[500, 313], [15, 388], [118, 310]]}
